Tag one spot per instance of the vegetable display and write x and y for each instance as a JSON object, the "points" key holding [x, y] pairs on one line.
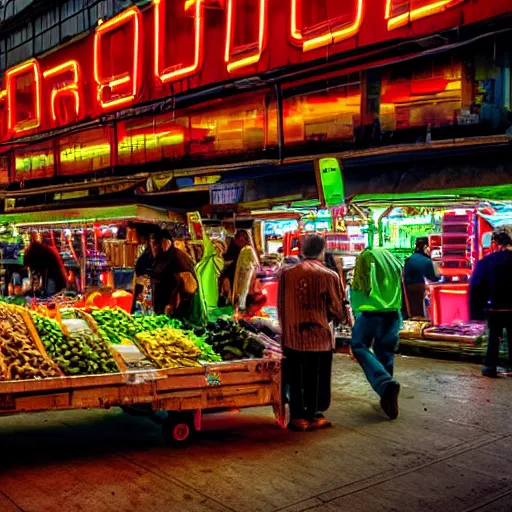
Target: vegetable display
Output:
{"points": [[81, 353], [21, 358], [115, 325], [230, 340], [169, 348]]}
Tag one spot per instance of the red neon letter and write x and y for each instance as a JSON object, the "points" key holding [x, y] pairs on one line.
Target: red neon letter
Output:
{"points": [[125, 86], [250, 53], [13, 75], [325, 33], [170, 74], [69, 88], [400, 13]]}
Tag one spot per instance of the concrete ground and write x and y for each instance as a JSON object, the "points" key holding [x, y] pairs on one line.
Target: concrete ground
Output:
{"points": [[450, 450]]}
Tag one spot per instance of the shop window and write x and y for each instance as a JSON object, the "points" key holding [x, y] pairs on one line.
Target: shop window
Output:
{"points": [[428, 92], [4, 169], [330, 114], [241, 126], [85, 152], [34, 162], [152, 140]]}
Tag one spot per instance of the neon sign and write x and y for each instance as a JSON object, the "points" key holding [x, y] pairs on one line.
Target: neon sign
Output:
{"points": [[327, 33], [32, 117], [248, 55], [170, 74], [121, 89], [68, 88], [195, 43], [400, 13]]}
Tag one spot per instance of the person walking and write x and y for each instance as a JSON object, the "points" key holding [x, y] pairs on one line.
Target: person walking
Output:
{"points": [[309, 299], [490, 298], [376, 297]]}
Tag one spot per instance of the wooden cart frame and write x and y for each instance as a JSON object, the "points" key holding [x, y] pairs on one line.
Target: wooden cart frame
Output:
{"points": [[182, 393]]}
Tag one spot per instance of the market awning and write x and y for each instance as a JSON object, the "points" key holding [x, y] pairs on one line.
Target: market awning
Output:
{"points": [[441, 198], [131, 212]]}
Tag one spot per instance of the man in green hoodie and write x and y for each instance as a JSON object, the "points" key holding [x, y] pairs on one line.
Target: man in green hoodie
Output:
{"points": [[376, 297]]}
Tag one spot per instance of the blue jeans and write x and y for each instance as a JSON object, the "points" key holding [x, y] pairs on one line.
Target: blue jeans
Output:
{"points": [[380, 330]]}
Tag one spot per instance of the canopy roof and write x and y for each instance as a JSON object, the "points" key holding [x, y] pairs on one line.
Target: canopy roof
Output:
{"points": [[117, 213], [440, 198]]}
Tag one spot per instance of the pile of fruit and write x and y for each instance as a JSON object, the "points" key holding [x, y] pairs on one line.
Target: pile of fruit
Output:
{"points": [[169, 348], [81, 353], [20, 357], [230, 340]]}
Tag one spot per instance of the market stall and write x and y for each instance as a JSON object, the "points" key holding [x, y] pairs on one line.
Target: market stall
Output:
{"points": [[459, 233], [145, 364], [98, 247]]}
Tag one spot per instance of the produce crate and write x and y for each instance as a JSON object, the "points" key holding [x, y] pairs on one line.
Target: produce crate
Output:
{"points": [[32, 335], [95, 330]]}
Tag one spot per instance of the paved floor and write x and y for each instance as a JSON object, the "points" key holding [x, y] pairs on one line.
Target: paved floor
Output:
{"points": [[450, 451]]}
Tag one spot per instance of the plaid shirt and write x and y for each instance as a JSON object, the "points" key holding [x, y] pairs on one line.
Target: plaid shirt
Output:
{"points": [[309, 298]]}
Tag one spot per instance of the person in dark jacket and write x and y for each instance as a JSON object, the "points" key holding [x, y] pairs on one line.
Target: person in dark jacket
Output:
{"points": [[490, 298], [47, 262], [418, 268], [174, 279]]}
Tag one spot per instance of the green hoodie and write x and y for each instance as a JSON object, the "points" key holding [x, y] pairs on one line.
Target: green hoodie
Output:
{"points": [[377, 285]]}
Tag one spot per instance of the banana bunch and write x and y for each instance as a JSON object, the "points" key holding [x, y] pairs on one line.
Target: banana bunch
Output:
{"points": [[20, 356], [169, 348]]}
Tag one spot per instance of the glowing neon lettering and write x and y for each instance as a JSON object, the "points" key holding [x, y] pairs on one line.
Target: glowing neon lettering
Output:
{"points": [[166, 75], [117, 84], [12, 76], [68, 89], [396, 17], [251, 56], [333, 34]]}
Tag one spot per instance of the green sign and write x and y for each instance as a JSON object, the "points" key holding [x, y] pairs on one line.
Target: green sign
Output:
{"points": [[329, 178]]}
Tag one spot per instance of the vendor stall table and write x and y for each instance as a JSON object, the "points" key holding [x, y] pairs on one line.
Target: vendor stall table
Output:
{"points": [[184, 393]]}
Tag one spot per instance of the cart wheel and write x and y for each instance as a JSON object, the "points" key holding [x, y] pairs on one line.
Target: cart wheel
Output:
{"points": [[178, 430]]}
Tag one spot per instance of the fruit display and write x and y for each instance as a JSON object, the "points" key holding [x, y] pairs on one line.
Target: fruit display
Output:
{"points": [[230, 340], [169, 348], [80, 353], [20, 355]]}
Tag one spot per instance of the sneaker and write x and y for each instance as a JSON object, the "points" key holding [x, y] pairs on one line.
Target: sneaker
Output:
{"points": [[490, 371], [389, 400], [299, 425], [320, 422]]}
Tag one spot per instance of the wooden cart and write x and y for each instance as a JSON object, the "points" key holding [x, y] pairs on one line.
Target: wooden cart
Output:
{"points": [[175, 398]]}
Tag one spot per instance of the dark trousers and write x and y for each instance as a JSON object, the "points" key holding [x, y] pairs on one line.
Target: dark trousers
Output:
{"points": [[379, 331], [498, 322], [307, 382], [416, 299]]}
